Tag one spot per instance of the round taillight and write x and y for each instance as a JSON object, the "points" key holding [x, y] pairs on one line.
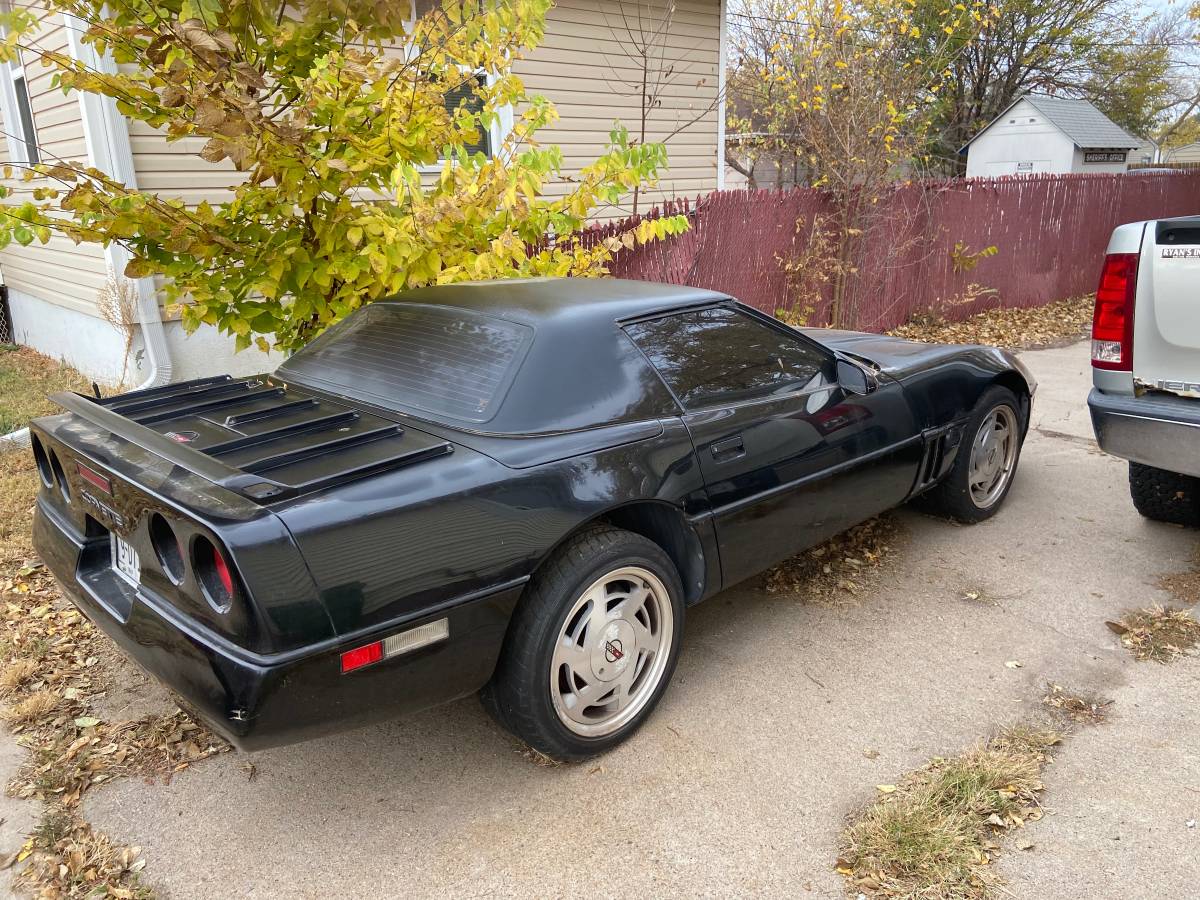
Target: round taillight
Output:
{"points": [[166, 547], [43, 462], [60, 476], [214, 574]]}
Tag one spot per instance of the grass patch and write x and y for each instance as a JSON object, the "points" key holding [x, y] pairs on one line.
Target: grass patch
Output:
{"points": [[1157, 633], [16, 674], [26, 378], [934, 834], [32, 708]]}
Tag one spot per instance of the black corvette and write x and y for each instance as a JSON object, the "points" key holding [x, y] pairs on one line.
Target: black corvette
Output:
{"points": [[515, 487]]}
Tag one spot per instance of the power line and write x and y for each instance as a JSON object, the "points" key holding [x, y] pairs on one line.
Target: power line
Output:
{"points": [[1038, 43]]}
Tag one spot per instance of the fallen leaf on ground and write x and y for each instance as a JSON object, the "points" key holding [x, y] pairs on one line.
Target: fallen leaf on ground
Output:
{"points": [[1013, 327]]}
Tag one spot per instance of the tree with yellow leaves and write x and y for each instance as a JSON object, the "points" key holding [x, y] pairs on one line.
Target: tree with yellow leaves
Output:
{"points": [[842, 91], [336, 111]]}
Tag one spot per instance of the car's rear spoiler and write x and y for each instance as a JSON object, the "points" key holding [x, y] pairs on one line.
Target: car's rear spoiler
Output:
{"points": [[304, 441], [187, 458]]}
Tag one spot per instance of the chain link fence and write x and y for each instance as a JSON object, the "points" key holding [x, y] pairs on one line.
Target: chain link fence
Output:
{"points": [[6, 330]]}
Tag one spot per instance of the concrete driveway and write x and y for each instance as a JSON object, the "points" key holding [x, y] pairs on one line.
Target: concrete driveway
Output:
{"points": [[742, 780]]}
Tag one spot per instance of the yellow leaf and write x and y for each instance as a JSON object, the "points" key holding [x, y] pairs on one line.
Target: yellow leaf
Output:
{"points": [[886, 788]]}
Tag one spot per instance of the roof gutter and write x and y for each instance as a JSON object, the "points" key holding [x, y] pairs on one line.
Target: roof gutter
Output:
{"points": [[106, 135]]}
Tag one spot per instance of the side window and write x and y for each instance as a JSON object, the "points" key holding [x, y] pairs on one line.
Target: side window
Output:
{"points": [[722, 355]]}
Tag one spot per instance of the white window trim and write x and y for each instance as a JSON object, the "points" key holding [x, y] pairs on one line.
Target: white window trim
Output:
{"points": [[499, 130], [18, 147]]}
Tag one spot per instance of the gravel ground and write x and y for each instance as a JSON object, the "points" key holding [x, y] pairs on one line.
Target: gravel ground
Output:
{"points": [[742, 780]]}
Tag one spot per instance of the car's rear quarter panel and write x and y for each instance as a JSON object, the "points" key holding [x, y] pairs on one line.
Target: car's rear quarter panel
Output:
{"points": [[387, 548], [286, 612]]}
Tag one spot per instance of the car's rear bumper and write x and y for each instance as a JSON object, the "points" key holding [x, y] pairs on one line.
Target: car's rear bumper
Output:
{"points": [[257, 701], [1154, 429]]}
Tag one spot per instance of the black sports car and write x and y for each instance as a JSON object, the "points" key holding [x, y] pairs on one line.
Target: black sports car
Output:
{"points": [[515, 487]]}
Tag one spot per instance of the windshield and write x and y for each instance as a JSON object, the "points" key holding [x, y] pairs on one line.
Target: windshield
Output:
{"points": [[443, 362]]}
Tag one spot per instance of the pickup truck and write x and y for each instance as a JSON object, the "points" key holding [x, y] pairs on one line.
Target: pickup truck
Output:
{"points": [[1145, 399]]}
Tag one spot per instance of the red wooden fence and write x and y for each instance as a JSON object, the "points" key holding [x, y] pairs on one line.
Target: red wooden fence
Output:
{"points": [[1050, 233]]}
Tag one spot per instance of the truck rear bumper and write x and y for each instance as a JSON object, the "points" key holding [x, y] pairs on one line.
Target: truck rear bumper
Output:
{"points": [[257, 701], [1154, 430]]}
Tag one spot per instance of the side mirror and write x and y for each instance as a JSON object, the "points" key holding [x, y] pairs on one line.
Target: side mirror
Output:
{"points": [[854, 379]]}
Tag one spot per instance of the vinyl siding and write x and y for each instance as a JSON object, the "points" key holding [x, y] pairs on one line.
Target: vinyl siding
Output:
{"points": [[1189, 153], [582, 68], [59, 272], [174, 168]]}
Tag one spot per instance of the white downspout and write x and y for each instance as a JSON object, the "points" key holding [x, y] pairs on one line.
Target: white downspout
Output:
{"points": [[723, 46], [106, 135]]}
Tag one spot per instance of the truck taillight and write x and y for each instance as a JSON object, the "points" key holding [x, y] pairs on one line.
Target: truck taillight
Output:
{"points": [[1112, 320]]}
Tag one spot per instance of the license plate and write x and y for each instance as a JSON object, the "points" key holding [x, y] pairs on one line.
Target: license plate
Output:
{"points": [[125, 561]]}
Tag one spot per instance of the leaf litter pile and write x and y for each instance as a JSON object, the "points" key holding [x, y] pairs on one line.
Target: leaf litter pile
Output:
{"points": [[54, 676], [1157, 633], [841, 568], [1015, 328]]}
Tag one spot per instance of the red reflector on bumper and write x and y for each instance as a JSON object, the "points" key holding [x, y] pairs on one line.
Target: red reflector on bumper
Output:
{"points": [[362, 656], [94, 478]]}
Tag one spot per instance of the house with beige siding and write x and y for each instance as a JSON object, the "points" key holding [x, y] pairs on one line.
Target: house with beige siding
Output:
{"points": [[588, 65], [1186, 153]]}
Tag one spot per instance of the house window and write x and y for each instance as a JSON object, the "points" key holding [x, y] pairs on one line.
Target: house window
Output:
{"points": [[26, 136], [491, 138], [465, 94]]}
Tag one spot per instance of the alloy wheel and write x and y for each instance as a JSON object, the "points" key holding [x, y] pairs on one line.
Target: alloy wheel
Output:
{"points": [[611, 652]]}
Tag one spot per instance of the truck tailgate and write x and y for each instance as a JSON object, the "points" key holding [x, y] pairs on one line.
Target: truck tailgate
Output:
{"points": [[1166, 337]]}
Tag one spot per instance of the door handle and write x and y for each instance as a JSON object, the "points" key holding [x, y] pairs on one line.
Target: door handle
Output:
{"points": [[730, 448]]}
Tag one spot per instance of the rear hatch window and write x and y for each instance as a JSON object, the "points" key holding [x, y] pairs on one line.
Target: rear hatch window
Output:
{"points": [[444, 363]]}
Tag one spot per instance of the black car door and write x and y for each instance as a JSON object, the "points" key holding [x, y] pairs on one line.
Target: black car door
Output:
{"points": [[789, 457]]}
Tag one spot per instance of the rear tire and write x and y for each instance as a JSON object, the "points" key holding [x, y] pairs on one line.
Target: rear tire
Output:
{"points": [[967, 493], [1164, 496], [591, 647]]}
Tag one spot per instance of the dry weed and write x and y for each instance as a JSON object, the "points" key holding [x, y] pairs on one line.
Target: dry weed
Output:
{"points": [[1158, 633], [934, 833]]}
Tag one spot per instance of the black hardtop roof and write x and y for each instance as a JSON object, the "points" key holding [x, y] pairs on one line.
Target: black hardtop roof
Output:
{"points": [[561, 302], [579, 369]]}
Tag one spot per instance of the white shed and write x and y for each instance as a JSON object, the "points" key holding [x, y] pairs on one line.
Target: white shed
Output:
{"points": [[1051, 135]]}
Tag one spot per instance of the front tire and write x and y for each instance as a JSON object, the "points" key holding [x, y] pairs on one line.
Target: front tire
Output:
{"points": [[986, 462], [591, 647], [1164, 496]]}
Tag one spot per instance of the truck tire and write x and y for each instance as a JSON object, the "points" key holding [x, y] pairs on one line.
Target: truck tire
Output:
{"points": [[1164, 496], [591, 647], [957, 495]]}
